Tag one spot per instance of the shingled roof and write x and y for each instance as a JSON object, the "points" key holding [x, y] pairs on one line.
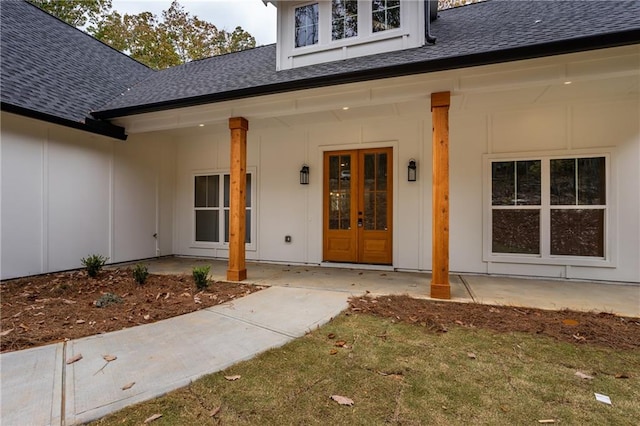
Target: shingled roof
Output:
{"points": [[482, 33], [55, 72]]}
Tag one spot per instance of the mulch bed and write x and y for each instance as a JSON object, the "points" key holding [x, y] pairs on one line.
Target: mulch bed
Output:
{"points": [[50, 308], [581, 328]]}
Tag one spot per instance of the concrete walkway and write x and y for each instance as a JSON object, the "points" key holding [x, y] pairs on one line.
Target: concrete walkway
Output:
{"points": [[39, 388]]}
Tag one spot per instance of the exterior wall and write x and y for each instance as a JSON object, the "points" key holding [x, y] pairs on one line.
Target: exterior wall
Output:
{"points": [[67, 194], [410, 34], [479, 127]]}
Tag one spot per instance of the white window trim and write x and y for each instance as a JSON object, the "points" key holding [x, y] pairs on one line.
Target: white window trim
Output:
{"points": [[253, 245], [365, 32], [545, 257]]}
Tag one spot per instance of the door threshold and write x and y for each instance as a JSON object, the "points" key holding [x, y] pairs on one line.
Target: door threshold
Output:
{"points": [[365, 266]]}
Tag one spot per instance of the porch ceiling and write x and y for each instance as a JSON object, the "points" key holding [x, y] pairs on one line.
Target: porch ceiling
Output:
{"points": [[595, 74]]}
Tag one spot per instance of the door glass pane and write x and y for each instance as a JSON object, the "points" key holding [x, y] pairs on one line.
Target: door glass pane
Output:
{"points": [[503, 183], [516, 231], [369, 210], [247, 237], [381, 173], [528, 183], [226, 226], [591, 181], [381, 211], [207, 225], [339, 191], [369, 172], [577, 232], [563, 182]]}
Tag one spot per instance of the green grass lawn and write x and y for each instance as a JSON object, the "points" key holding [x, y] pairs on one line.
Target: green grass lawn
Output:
{"points": [[402, 374]]}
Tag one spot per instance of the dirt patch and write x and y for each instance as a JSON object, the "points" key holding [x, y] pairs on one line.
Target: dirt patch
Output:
{"points": [[54, 307], [581, 328]]}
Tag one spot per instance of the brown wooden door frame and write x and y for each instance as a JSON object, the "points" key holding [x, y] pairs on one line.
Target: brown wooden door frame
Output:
{"points": [[357, 244]]}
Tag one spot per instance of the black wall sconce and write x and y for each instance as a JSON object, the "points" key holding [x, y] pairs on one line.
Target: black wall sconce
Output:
{"points": [[304, 175], [412, 171]]}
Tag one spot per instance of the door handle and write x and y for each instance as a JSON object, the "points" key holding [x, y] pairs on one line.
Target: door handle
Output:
{"points": [[359, 222]]}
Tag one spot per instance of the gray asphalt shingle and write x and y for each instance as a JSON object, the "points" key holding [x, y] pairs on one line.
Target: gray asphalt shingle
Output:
{"points": [[482, 28], [53, 68]]}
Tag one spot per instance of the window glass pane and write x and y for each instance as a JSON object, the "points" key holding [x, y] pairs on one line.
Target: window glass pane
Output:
{"points": [[503, 183], [207, 225], [248, 191], [201, 191], [306, 21], [344, 21], [563, 182], [591, 181], [213, 190], [247, 237], [226, 226], [516, 231], [385, 15], [577, 232], [528, 183], [227, 180]]}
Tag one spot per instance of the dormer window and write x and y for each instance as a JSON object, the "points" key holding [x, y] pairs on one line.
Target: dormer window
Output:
{"points": [[306, 29], [385, 15], [344, 19]]}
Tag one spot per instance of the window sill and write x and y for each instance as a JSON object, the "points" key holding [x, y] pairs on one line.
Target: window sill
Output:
{"points": [[348, 42], [218, 246], [560, 260]]}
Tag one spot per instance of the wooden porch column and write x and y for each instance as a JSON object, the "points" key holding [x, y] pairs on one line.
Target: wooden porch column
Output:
{"points": [[440, 233], [237, 203]]}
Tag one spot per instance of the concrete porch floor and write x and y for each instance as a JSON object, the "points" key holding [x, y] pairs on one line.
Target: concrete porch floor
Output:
{"points": [[622, 299]]}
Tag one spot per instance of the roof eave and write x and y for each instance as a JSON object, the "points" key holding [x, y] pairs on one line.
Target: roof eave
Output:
{"points": [[561, 47], [102, 128]]}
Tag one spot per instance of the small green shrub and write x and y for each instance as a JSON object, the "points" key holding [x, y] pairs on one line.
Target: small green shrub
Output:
{"points": [[140, 273], [94, 264], [200, 276], [108, 299]]}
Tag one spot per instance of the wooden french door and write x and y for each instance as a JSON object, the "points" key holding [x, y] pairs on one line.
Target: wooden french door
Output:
{"points": [[357, 206]]}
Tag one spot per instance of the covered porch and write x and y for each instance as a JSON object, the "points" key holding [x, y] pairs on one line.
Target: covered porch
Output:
{"points": [[618, 298]]}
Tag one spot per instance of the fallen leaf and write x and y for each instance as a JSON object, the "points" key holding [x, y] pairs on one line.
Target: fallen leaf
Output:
{"points": [[24, 327], [6, 332], [570, 322], [128, 386], [622, 376], [69, 302], [471, 355], [80, 322], [583, 376], [215, 412], [146, 317], [152, 418], [333, 351], [74, 359], [331, 336], [459, 322], [578, 337], [342, 400], [340, 344], [232, 378], [109, 358], [547, 421]]}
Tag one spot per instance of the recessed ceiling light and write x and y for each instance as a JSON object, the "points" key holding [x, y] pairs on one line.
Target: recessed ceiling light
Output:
{"points": [[200, 125], [345, 108], [568, 82]]}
